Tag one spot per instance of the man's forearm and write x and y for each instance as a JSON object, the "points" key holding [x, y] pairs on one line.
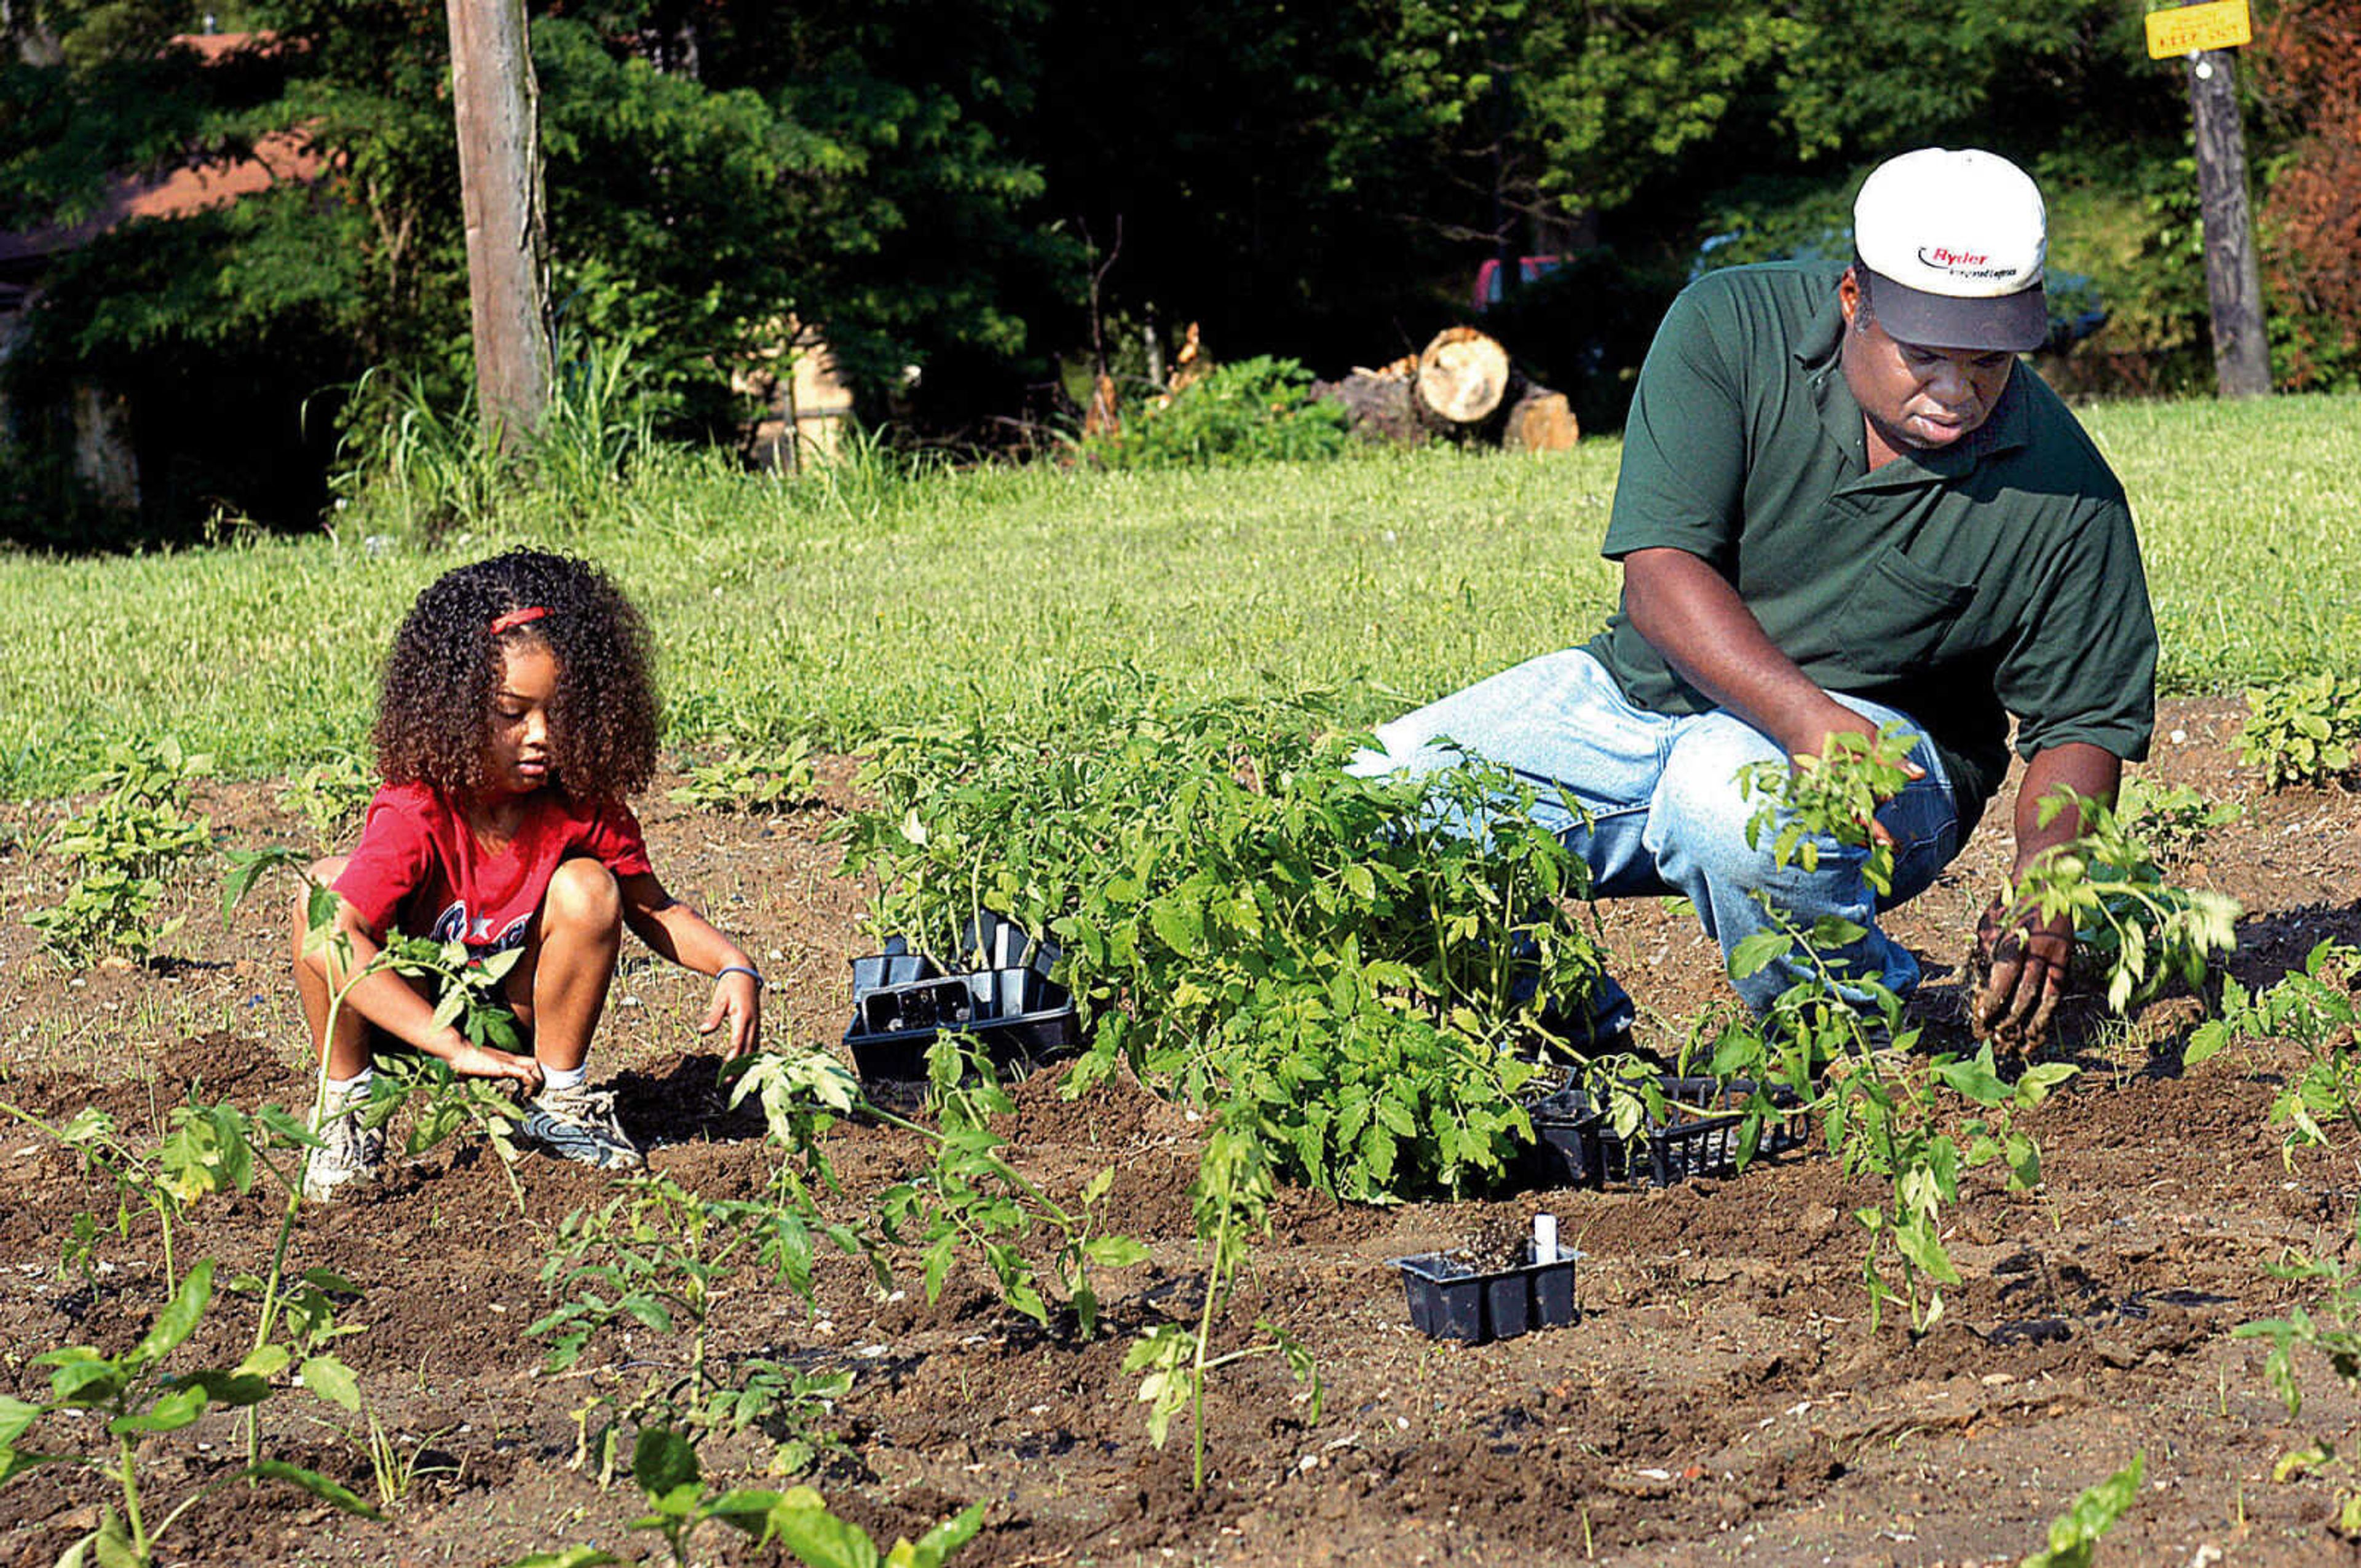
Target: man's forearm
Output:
{"points": [[2089, 771], [1696, 620]]}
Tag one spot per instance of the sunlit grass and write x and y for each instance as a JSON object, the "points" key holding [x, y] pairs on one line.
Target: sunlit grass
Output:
{"points": [[835, 611]]}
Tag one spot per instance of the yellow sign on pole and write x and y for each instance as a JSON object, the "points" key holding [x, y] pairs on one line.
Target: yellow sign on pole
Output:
{"points": [[2218, 24]]}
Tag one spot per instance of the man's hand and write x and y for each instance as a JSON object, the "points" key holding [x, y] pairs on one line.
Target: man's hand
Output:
{"points": [[2016, 970], [1841, 721], [2017, 973]]}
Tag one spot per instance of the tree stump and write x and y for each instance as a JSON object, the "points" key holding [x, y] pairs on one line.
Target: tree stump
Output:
{"points": [[1461, 387], [1541, 420]]}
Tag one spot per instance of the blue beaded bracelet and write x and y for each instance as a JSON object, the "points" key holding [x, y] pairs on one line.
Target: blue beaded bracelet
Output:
{"points": [[739, 969]]}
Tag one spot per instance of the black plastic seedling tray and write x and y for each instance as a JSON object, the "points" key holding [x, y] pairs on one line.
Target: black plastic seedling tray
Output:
{"points": [[1450, 1300], [902, 1001], [1565, 1147], [1573, 1147]]}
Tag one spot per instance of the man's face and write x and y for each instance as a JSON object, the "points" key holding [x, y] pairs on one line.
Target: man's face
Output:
{"points": [[1920, 397]]}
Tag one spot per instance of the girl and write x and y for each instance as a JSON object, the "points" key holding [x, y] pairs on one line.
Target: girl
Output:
{"points": [[516, 713]]}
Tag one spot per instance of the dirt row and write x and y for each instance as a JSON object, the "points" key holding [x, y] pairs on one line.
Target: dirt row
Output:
{"points": [[1722, 1395]]}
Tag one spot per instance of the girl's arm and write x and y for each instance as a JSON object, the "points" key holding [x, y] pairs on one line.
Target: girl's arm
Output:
{"points": [[671, 928]]}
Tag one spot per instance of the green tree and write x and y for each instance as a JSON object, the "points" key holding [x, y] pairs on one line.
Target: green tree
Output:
{"points": [[710, 171]]}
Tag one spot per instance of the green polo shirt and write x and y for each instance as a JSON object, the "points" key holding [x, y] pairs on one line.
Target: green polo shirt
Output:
{"points": [[2000, 576]]}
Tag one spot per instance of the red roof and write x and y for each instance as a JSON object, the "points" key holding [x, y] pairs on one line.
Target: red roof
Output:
{"points": [[194, 187]]}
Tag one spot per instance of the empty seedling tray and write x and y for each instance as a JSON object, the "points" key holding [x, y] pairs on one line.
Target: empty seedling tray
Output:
{"points": [[902, 1001], [1692, 1141], [1573, 1147], [1450, 1298]]}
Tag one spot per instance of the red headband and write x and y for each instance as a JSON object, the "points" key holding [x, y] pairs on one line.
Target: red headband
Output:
{"points": [[515, 619]]}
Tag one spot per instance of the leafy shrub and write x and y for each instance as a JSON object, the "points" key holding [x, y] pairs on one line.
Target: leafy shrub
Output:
{"points": [[2171, 819], [2314, 1009], [331, 796], [737, 782], [1244, 412], [120, 848], [2307, 732], [1244, 919]]}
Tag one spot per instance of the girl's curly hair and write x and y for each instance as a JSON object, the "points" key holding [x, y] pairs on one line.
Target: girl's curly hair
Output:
{"points": [[435, 714]]}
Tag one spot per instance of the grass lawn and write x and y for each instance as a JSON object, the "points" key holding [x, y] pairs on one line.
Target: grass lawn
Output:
{"points": [[837, 609]]}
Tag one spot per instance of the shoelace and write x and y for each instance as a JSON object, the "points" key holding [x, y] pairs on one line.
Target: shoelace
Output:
{"points": [[600, 1102]]}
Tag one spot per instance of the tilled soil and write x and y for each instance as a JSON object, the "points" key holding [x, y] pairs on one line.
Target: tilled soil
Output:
{"points": [[1722, 1397]]}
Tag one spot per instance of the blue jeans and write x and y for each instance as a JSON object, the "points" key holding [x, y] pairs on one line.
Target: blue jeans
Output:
{"points": [[1665, 815]]}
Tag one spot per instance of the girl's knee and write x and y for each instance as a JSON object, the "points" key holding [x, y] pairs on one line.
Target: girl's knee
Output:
{"points": [[583, 892]]}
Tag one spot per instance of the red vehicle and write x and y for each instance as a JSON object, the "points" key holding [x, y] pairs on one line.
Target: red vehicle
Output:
{"points": [[1529, 267]]}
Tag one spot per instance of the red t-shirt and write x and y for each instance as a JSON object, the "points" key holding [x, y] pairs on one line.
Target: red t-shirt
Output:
{"points": [[420, 869]]}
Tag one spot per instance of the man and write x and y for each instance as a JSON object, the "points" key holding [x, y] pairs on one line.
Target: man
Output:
{"points": [[1844, 503]]}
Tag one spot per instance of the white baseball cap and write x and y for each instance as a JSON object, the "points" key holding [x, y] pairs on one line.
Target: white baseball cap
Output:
{"points": [[1950, 246]]}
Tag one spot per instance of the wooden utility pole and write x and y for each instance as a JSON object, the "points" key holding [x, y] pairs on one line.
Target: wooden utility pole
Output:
{"points": [[2234, 283], [2205, 32], [497, 106]]}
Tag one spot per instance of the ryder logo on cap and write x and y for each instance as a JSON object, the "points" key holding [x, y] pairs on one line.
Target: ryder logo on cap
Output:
{"points": [[1950, 246]]}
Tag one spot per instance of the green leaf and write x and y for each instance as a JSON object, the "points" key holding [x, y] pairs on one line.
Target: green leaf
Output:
{"points": [[83, 1377], [2075, 1535], [320, 905], [1179, 922], [232, 1389], [179, 1319], [1917, 1241], [286, 1127], [174, 1411], [747, 1508], [17, 1416], [1974, 1079], [802, 1524], [572, 1557], [109, 1545], [312, 1481], [1758, 951], [2205, 1042], [332, 1381], [1114, 1252], [2302, 1461], [15, 1462], [244, 867], [661, 1460], [948, 1537]]}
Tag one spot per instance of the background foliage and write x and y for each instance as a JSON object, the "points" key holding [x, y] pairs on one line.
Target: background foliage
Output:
{"points": [[975, 191]]}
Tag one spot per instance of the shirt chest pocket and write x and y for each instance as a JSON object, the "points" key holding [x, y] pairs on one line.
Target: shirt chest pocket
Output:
{"points": [[1899, 616]]}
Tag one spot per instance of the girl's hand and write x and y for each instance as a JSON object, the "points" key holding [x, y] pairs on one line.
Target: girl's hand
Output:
{"points": [[737, 999], [475, 1061]]}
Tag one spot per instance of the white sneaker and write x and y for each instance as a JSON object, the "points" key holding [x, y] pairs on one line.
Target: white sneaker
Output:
{"points": [[579, 1124], [349, 1152]]}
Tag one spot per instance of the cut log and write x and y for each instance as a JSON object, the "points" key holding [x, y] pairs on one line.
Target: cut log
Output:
{"points": [[1377, 403], [1541, 420], [1461, 388], [1462, 377]]}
